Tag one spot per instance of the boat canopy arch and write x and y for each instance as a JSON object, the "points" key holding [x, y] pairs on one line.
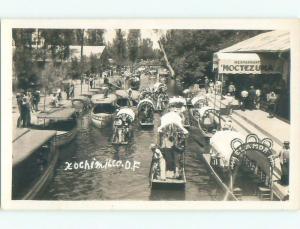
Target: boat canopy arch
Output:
{"points": [[126, 112], [197, 99], [145, 102], [169, 119], [174, 100]]}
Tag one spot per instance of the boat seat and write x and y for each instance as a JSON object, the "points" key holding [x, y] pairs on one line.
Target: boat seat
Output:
{"points": [[264, 193]]}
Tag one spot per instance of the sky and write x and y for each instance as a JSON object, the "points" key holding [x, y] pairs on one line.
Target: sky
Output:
{"points": [[145, 33]]}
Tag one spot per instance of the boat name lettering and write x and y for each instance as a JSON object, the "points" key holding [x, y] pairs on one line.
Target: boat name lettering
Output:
{"points": [[252, 146], [106, 164]]}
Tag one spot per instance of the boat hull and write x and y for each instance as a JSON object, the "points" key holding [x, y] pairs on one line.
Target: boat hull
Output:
{"points": [[101, 120], [65, 137]]}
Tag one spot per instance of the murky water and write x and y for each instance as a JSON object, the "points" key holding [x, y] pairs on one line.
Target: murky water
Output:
{"points": [[120, 183]]}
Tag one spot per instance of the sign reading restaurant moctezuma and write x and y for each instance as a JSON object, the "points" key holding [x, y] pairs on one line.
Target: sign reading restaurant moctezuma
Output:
{"points": [[232, 63], [247, 67]]}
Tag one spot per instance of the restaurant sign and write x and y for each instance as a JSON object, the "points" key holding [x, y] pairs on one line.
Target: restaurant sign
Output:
{"points": [[245, 63]]}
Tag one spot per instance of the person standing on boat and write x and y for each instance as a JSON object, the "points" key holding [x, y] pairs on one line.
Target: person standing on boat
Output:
{"points": [[158, 163], [284, 157]]}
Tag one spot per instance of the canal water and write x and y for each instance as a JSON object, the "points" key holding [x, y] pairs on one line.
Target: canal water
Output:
{"points": [[118, 183]]}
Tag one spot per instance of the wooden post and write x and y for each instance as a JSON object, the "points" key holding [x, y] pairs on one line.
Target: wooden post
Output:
{"points": [[81, 54]]}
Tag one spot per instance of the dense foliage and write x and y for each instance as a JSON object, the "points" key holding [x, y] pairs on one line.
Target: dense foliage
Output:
{"points": [[190, 52]]}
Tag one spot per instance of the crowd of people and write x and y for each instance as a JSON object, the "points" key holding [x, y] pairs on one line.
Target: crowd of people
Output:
{"points": [[27, 102]]}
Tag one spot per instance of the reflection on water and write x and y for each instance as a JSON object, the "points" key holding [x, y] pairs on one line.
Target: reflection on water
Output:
{"points": [[92, 143]]}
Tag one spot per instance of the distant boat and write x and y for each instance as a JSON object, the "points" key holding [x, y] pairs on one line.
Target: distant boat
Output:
{"points": [[178, 104], [103, 109], [146, 112], [126, 100], [122, 127], [34, 157], [81, 104], [206, 119], [61, 119]]}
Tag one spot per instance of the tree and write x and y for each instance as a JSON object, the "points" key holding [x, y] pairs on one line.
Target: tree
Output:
{"points": [[119, 49], [146, 50], [190, 52], [133, 43], [24, 67]]}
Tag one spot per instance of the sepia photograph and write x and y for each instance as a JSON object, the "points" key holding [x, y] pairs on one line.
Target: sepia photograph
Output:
{"points": [[161, 114]]}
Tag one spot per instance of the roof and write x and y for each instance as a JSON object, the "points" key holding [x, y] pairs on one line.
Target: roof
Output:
{"points": [[145, 101], [171, 118], [126, 111], [57, 114], [99, 98], [26, 141], [221, 142], [87, 51], [273, 41]]}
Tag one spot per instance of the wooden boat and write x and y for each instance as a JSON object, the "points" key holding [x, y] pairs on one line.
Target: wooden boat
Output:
{"points": [[206, 119], [178, 105], [63, 120], [126, 100], [81, 104], [243, 166], [168, 169], [146, 112], [34, 158], [122, 132], [103, 109]]}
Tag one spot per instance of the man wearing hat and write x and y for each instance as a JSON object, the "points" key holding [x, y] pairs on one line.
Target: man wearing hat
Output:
{"points": [[284, 157]]}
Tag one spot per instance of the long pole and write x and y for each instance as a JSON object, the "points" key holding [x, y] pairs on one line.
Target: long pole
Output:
{"points": [[81, 65]]}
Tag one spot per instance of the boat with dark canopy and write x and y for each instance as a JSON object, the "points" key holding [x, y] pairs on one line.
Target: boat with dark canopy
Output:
{"points": [[146, 112], [33, 161], [61, 119], [122, 126]]}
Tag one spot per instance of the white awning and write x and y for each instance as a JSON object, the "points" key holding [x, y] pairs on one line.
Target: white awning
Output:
{"points": [[245, 63], [171, 118], [198, 98], [221, 142], [126, 111], [145, 101], [173, 100]]}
